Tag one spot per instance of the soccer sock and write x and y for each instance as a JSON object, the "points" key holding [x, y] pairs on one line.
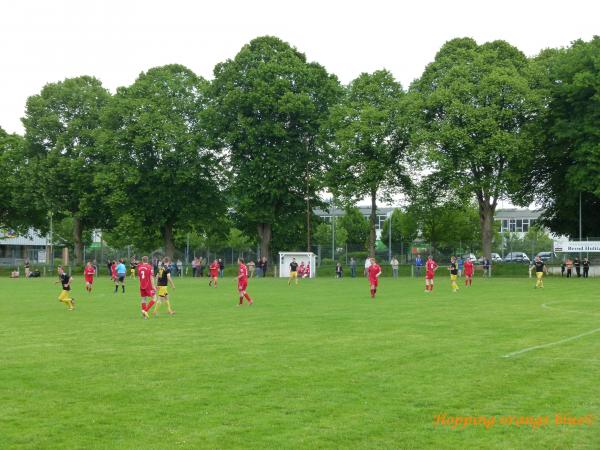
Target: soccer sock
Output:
{"points": [[123, 287], [247, 297], [471, 282], [466, 282], [372, 293], [150, 305], [116, 288]]}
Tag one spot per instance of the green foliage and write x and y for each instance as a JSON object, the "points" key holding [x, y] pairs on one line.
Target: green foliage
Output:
{"points": [[568, 162], [61, 132], [355, 224], [476, 103], [20, 208], [323, 234], [405, 227], [160, 172], [370, 134], [267, 106]]}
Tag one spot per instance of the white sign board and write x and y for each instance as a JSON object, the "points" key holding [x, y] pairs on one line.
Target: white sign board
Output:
{"points": [[42, 256], [577, 246]]}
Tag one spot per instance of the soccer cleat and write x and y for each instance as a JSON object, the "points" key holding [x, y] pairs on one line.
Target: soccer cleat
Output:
{"points": [[144, 315], [172, 313]]}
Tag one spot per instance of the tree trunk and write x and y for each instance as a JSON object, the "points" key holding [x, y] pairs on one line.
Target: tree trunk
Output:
{"points": [[169, 241], [264, 234], [372, 234], [486, 218], [78, 240]]}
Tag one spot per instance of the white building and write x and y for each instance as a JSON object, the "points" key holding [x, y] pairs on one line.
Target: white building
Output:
{"points": [[517, 220], [15, 248]]}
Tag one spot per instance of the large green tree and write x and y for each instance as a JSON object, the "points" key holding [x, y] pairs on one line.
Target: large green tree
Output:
{"points": [[20, 206], [267, 106], [61, 131], [160, 173], [475, 103], [370, 138], [356, 226], [567, 166]]}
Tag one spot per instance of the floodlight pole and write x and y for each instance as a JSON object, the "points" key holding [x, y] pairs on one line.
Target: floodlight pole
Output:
{"points": [[51, 244], [580, 225], [333, 228], [390, 236]]}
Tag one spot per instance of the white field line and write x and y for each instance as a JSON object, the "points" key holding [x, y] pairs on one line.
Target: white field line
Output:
{"points": [[552, 344], [547, 306]]}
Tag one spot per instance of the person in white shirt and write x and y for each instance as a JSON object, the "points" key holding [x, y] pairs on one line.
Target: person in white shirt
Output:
{"points": [[367, 265]]}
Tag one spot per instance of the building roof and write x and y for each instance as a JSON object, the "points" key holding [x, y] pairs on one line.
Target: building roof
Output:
{"points": [[364, 210], [518, 213], [32, 238]]}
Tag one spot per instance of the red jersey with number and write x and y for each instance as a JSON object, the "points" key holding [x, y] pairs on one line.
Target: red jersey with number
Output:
{"points": [[214, 269], [145, 276], [430, 267], [89, 273], [468, 268]]}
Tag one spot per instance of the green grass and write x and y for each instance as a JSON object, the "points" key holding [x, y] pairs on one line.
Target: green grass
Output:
{"points": [[319, 365]]}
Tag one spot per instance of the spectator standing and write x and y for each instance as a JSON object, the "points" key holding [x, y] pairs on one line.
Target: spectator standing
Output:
{"points": [[194, 267], [221, 268], [339, 272], [460, 266], [352, 267], [179, 267], [26, 265], [569, 267], [563, 266], [201, 266], [577, 265], [251, 268], [265, 266], [486, 267], [586, 268], [418, 265], [109, 268], [395, 264]]}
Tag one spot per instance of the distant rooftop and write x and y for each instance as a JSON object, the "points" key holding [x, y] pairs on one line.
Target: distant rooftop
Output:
{"points": [[518, 213]]}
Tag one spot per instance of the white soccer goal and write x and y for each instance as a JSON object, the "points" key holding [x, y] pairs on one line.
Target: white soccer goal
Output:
{"points": [[308, 258]]}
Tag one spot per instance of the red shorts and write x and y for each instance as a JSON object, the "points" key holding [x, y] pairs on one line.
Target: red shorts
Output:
{"points": [[89, 279], [242, 285], [374, 281], [214, 275], [429, 275], [468, 274], [146, 292]]}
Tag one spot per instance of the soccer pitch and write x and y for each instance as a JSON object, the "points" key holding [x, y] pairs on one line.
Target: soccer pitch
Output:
{"points": [[318, 365]]}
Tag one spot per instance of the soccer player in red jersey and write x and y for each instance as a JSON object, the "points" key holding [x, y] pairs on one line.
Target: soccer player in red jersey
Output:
{"points": [[89, 273], [243, 283], [146, 286], [468, 266], [373, 272], [214, 273], [113, 271], [430, 268]]}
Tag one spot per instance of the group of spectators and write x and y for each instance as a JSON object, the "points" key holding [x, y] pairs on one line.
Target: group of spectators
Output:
{"points": [[569, 264]]}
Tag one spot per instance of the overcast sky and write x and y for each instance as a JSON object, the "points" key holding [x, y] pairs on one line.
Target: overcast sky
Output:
{"points": [[49, 40]]}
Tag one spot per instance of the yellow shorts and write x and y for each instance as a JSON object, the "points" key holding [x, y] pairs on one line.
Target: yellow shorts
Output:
{"points": [[293, 274], [64, 295], [539, 275], [453, 277], [162, 291]]}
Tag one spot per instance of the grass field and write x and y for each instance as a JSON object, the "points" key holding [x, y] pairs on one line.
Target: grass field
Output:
{"points": [[319, 365]]}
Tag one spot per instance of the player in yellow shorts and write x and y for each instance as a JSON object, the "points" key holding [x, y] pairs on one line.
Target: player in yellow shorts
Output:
{"points": [[65, 296], [453, 268], [293, 272], [163, 279], [540, 268]]}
